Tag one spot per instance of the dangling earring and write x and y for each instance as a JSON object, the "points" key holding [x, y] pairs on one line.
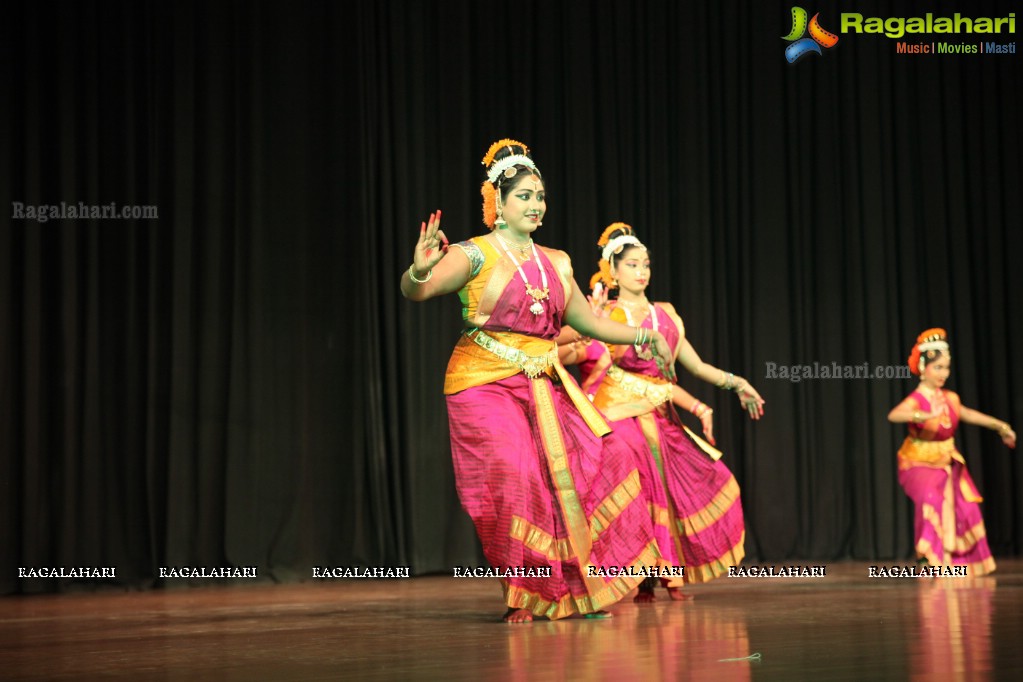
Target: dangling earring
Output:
{"points": [[500, 223]]}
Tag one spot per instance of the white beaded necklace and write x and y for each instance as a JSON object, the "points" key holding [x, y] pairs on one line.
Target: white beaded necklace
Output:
{"points": [[536, 294]]}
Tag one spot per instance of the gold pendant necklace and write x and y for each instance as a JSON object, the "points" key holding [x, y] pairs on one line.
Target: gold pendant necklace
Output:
{"points": [[534, 293]]}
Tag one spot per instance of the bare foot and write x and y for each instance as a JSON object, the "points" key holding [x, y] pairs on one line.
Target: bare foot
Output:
{"points": [[518, 616], [677, 594], [599, 615], [645, 595]]}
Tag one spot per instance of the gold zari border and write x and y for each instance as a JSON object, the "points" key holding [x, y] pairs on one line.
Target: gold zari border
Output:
{"points": [[707, 572], [572, 512], [609, 592], [611, 507], [539, 540], [722, 502]]}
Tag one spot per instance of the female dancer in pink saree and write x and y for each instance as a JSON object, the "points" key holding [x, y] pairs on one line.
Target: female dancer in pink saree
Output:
{"points": [[549, 491], [948, 523], [694, 497], [593, 358]]}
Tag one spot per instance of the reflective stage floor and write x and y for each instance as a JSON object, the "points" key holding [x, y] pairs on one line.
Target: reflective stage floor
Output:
{"points": [[843, 626]]}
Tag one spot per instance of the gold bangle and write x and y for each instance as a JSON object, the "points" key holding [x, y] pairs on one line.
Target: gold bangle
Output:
{"points": [[412, 276], [1005, 429]]}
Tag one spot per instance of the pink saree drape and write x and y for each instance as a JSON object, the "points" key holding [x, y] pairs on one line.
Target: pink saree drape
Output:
{"points": [[949, 527], [545, 484], [694, 499]]}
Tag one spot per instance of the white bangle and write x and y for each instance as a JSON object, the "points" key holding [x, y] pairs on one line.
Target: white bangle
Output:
{"points": [[412, 275]]}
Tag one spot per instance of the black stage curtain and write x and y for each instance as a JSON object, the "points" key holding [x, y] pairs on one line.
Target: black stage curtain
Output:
{"points": [[239, 382]]}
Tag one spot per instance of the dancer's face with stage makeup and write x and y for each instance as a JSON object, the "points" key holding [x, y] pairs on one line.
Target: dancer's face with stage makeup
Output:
{"points": [[523, 208], [632, 270], [936, 372]]}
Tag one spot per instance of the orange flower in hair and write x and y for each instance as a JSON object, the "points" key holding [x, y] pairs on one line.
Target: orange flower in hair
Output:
{"points": [[488, 190], [604, 275], [605, 237], [489, 203], [498, 146], [933, 334]]}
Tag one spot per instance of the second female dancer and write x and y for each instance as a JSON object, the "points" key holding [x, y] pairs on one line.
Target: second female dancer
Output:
{"points": [[695, 499]]}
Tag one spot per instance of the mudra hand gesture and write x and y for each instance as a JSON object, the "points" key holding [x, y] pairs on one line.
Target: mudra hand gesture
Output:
{"points": [[1008, 436], [749, 399], [707, 423], [664, 356], [598, 299], [431, 247]]}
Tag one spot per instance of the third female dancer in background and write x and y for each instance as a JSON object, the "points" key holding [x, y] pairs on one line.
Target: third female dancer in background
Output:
{"points": [[949, 526], [696, 501]]}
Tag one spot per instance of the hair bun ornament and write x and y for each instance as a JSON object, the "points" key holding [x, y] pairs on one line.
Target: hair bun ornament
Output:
{"points": [[506, 166], [934, 334], [934, 339], [604, 274], [605, 237], [615, 238], [488, 158]]}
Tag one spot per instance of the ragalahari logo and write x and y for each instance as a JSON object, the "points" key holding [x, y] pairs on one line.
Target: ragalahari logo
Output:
{"points": [[801, 46]]}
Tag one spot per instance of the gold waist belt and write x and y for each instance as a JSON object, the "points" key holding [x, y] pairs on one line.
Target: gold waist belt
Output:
{"points": [[656, 393], [532, 365], [934, 452]]}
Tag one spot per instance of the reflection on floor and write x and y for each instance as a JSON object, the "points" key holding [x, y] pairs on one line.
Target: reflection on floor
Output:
{"points": [[844, 625]]}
